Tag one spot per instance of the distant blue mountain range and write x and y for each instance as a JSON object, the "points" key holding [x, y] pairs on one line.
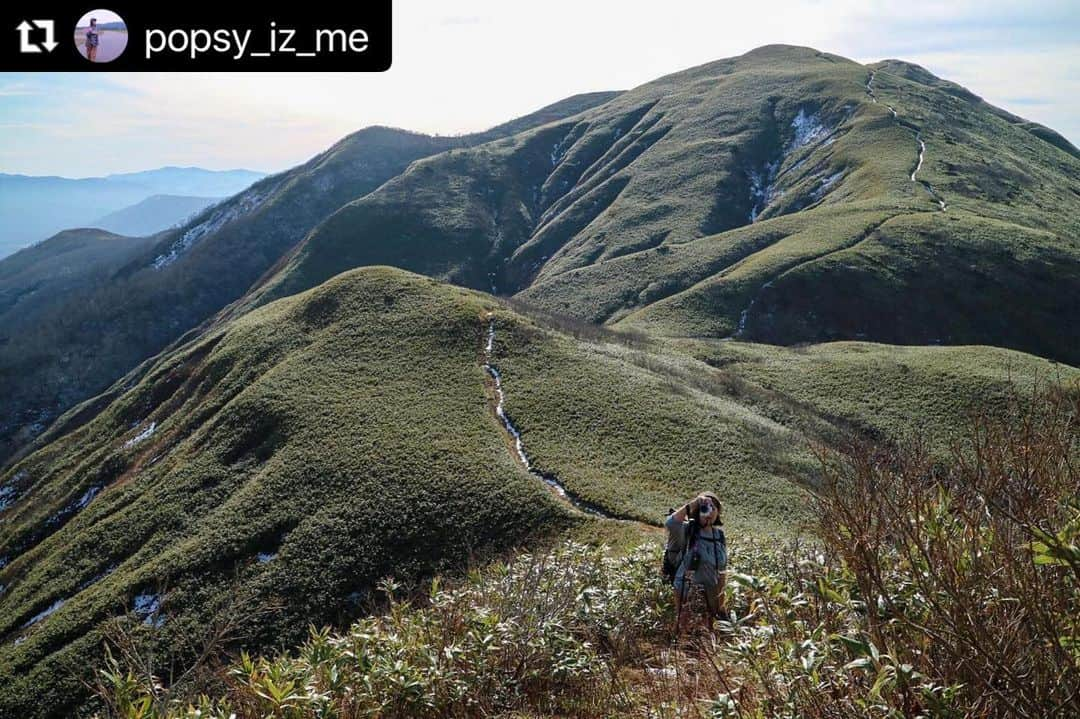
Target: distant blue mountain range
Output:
{"points": [[35, 208]]}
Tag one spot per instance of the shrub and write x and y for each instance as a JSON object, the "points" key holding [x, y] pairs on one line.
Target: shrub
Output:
{"points": [[537, 632], [933, 589], [940, 591]]}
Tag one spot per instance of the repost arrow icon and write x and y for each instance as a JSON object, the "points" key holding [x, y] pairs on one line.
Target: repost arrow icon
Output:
{"points": [[28, 26], [50, 42], [24, 29]]}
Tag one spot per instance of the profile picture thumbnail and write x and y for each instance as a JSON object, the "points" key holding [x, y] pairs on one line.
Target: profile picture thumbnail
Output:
{"points": [[101, 36]]}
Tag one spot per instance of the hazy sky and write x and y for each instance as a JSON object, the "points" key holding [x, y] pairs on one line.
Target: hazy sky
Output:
{"points": [[462, 66]]}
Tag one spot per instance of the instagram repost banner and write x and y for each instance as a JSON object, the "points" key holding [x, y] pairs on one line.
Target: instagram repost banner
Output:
{"points": [[178, 37]]}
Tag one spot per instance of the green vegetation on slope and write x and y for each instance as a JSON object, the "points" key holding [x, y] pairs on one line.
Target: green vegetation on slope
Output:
{"points": [[969, 617], [301, 452], [714, 306], [635, 424], [885, 393], [779, 196], [624, 429], [990, 279], [70, 346], [344, 433], [62, 348], [294, 453]]}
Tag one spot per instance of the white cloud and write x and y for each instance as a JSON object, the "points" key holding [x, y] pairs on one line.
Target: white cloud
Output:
{"points": [[456, 71]]}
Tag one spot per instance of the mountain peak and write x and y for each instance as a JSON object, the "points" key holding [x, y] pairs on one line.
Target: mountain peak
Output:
{"points": [[308, 386]]}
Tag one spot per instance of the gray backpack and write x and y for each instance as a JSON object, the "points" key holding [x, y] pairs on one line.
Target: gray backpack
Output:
{"points": [[675, 550]]}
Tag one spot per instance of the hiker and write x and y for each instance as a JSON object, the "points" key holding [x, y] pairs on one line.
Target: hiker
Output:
{"points": [[696, 553], [92, 40]]}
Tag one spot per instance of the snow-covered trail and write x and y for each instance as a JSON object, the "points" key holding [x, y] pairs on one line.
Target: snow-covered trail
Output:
{"points": [[926, 185], [873, 97], [519, 446], [921, 144]]}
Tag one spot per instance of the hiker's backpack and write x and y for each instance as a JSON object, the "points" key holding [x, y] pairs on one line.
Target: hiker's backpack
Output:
{"points": [[675, 550]]}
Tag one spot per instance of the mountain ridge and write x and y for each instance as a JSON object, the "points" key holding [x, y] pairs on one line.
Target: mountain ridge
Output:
{"points": [[711, 202], [179, 279], [316, 383], [825, 162], [274, 456]]}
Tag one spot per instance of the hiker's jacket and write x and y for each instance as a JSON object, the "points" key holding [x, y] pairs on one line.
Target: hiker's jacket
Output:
{"points": [[710, 545]]}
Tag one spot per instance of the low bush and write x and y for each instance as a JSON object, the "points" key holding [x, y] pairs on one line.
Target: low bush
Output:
{"points": [[933, 589]]}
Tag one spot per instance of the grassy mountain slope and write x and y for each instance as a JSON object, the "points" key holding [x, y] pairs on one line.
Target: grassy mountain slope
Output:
{"points": [[973, 273], [188, 274], [309, 427], [154, 214], [753, 197], [659, 163], [746, 197], [31, 281], [185, 275], [307, 431], [279, 456], [885, 392]]}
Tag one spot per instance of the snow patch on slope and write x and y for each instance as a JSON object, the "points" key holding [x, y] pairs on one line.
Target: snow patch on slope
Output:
{"points": [[147, 607], [79, 504], [88, 496], [8, 494], [807, 129], [44, 614], [557, 153], [761, 188], [141, 436], [826, 184], [242, 206], [746, 313]]}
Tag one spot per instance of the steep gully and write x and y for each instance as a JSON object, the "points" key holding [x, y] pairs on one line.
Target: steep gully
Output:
{"points": [[514, 434], [741, 327], [511, 429], [846, 246]]}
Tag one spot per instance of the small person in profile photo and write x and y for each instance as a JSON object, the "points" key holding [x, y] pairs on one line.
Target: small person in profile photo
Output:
{"points": [[101, 36], [93, 38]]}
